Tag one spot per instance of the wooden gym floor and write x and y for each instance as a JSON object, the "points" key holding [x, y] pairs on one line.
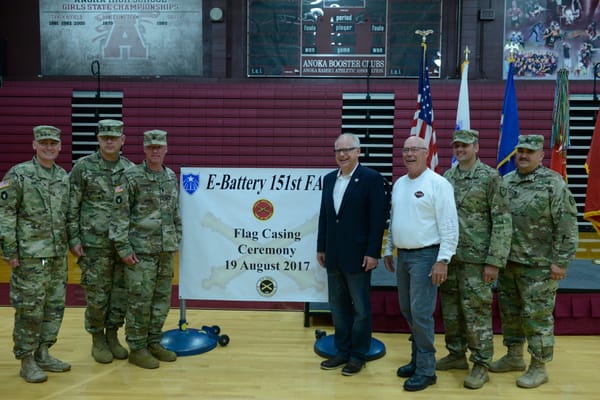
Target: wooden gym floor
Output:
{"points": [[270, 356]]}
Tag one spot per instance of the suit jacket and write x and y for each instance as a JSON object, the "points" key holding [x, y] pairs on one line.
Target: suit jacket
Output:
{"points": [[357, 230]]}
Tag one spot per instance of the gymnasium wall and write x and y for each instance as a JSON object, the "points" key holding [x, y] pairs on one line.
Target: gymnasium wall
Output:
{"points": [[258, 123]]}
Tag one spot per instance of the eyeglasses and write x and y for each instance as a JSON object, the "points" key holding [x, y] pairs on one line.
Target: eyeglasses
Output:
{"points": [[346, 150], [407, 150]]}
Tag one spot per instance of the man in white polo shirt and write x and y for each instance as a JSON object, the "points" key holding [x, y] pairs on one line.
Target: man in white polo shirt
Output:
{"points": [[424, 230]]}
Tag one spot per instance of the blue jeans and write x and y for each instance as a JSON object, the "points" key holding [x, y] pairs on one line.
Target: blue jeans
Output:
{"points": [[350, 303], [417, 297]]}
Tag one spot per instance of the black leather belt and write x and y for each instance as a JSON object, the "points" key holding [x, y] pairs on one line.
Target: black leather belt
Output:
{"points": [[421, 248]]}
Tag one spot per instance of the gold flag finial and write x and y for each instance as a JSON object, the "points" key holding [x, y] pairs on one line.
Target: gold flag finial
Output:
{"points": [[424, 34], [512, 48], [467, 52]]}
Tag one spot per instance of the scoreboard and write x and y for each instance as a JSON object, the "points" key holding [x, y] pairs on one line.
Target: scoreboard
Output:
{"points": [[341, 38]]}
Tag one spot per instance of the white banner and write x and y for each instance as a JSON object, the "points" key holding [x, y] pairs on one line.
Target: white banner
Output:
{"points": [[251, 234]]}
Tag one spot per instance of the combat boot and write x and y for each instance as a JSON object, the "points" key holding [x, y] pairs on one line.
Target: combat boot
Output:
{"points": [[119, 352], [162, 354], [477, 378], [512, 361], [535, 376], [143, 358], [31, 372], [48, 363], [100, 350], [452, 361]]}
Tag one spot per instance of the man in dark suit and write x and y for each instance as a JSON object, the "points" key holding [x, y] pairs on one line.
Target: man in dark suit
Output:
{"points": [[351, 225]]}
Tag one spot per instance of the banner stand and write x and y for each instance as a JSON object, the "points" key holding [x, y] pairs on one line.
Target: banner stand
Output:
{"points": [[325, 346], [186, 341]]}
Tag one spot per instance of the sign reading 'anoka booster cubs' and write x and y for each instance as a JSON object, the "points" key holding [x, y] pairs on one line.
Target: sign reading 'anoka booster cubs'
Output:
{"points": [[251, 234]]}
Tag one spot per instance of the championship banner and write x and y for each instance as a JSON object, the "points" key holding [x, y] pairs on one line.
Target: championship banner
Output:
{"points": [[250, 234], [126, 37]]}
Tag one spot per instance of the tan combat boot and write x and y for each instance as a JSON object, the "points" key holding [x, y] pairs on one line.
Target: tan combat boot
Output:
{"points": [[535, 376], [31, 372], [477, 378], [48, 363], [119, 352], [100, 350], [512, 361], [143, 358], [159, 352], [452, 361]]}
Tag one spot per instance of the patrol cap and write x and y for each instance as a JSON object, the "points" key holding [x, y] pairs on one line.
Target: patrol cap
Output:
{"points": [[155, 137], [467, 136], [531, 142], [42, 132], [110, 127]]}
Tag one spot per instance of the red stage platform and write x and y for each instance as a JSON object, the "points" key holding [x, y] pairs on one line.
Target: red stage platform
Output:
{"points": [[577, 310], [574, 313]]}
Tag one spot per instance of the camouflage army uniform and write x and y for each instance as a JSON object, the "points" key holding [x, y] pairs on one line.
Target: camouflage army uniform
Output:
{"points": [[91, 208], [545, 232], [484, 239], [33, 203], [149, 225]]}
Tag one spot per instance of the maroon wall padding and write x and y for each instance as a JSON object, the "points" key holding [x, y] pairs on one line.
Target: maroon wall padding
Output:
{"points": [[263, 123]]}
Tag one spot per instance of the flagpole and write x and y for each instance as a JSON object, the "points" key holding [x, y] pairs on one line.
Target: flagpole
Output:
{"points": [[463, 113], [509, 121], [559, 140], [423, 120], [424, 34]]}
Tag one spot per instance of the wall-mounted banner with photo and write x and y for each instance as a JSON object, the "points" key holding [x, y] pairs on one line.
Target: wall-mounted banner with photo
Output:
{"points": [[342, 38], [543, 36], [250, 234], [126, 37]]}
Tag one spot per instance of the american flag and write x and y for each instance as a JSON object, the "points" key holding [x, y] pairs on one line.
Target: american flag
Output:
{"points": [[422, 125]]}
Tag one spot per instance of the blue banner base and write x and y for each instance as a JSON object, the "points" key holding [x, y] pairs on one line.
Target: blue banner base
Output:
{"points": [[324, 346]]}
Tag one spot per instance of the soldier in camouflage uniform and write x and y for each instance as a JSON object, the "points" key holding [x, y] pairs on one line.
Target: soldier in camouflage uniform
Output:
{"points": [[544, 240], [33, 201], [147, 234], [94, 180], [484, 241]]}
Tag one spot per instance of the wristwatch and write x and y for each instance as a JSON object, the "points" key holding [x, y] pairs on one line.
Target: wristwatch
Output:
{"points": [[444, 261]]}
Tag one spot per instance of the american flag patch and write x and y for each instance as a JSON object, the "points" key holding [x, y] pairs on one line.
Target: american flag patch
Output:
{"points": [[119, 189], [4, 184]]}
